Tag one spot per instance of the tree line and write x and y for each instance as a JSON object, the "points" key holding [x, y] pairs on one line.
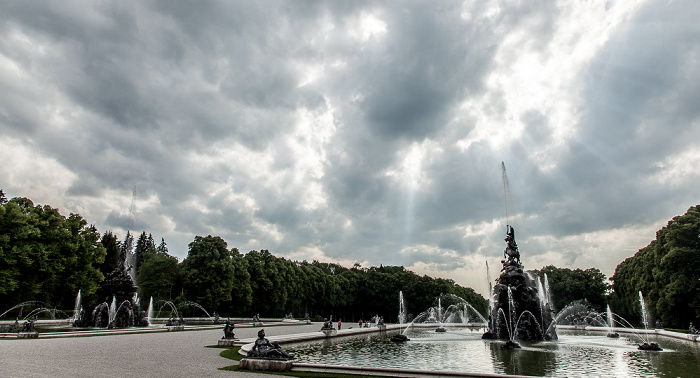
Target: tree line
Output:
{"points": [[47, 257], [570, 285], [667, 272]]}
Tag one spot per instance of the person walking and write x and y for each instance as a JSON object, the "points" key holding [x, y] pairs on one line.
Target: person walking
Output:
{"points": [[339, 323]]}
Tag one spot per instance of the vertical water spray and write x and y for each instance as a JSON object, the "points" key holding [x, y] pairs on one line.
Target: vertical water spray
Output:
{"points": [[511, 314], [402, 309], [644, 311], [76, 311], [611, 324], [547, 292], [492, 303], [112, 310], [506, 188], [542, 296], [149, 315], [646, 345]]}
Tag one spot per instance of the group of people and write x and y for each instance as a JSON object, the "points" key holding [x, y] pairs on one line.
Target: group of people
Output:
{"points": [[364, 324], [693, 330]]}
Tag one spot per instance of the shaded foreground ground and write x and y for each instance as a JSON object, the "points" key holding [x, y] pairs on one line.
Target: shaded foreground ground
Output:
{"points": [[162, 354]]}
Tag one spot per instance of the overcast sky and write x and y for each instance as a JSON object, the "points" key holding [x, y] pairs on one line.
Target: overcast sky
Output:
{"points": [[350, 131]]}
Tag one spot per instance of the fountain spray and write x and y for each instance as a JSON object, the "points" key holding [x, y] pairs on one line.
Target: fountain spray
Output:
{"points": [[76, 311], [647, 345], [506, 189]]}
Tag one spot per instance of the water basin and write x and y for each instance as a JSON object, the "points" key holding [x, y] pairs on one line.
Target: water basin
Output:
{"points": [[576, 353]]}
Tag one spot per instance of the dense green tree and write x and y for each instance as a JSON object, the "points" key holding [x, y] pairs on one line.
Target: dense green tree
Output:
{"points": [[162, 247], [111, 244], [241, 292], [45, 256], [20, 251], [568, 285], [263, 276], [667, 272], [145, 249], [208, 272], [83, 256], [158, 276]]}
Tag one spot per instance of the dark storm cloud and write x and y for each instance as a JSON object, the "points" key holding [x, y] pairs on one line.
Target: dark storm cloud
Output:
{"points": [[288, 125], [411, 85]]}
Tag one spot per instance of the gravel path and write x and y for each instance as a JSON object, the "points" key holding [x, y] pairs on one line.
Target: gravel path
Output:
{"points": [[162, 354]]}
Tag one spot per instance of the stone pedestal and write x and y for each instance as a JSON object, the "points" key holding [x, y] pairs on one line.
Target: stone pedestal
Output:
{"points": [[227, 342], [382, 327], [262, 364], [175, 328], [330, 332], [257, 324], [28, 335]]}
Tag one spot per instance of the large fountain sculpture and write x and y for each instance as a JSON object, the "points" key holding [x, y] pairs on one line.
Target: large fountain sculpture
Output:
{"points": [[117, 304], [518, 310]]}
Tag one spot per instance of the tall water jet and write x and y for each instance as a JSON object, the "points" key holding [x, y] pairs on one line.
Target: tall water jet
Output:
{"points": [[149, 314], [402, 309], [76, 310], [542, 296], [112, 311], [645, 319], [440, 319], [490, 323], [506, 188], [547, 292], [611, 324], [401, 337], [647, 345]]}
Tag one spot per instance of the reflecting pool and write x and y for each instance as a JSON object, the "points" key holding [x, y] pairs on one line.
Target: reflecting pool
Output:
{"points": [[576, 353]]}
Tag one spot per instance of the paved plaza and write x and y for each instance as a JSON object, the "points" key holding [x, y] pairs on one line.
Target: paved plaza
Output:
{"points": [[161, 354]]}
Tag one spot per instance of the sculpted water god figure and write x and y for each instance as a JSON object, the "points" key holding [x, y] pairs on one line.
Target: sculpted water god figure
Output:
{"points": [[228, 330], [327, 324], [511, 252], [263, 348]]}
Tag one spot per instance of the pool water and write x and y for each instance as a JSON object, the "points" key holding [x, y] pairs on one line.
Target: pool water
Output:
{"points": [[576, 353]]}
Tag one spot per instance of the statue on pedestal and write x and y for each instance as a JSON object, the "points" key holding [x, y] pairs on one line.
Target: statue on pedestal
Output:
{"points": [[327, 324], [228, 330], [263, 348]]}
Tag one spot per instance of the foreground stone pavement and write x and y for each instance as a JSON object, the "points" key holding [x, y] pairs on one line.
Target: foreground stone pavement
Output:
{"points": [[162, 354]]}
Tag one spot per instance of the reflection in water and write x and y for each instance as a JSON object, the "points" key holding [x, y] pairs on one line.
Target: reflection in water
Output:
{"points": [[461, 349], [524, 361]]}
